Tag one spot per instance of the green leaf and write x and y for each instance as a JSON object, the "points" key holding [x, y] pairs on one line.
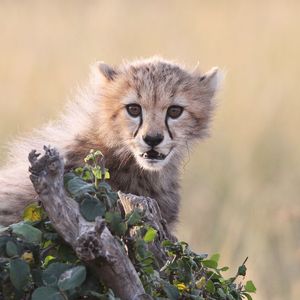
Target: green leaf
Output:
{"points": [[97, 172], [104, 187], [106, 174], [28, 232], [250, 287], [200, 257], [141, 249], [69, 176], [221, 293], [166, 243], [66, 254], [147, 261], [113, 198], [210, 287], [210, 263], [93, 155], [47, 293], [78, 171], [91, 207], [247, 296], [33, 213], [19, 273], [215, 257], [224, 269], [72, 278], [11, 249], [50, 237], [150, 235], [116, 224], [201, 282], [37, 276], [230, 297], [148, 269], [52, 273], [77, 186], [89, 157], [98, 153], [47, 260], [171, 291], [3, 240], [242, 270], [87, 175], [91, 283], [134, 218]]}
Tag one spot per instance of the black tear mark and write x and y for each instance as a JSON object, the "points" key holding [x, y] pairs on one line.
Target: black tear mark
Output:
{"points": [[140, 125], [168, 128]]}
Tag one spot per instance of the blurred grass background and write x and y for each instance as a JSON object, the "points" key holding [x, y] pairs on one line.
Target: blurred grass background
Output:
{"points": [[241, 187]]}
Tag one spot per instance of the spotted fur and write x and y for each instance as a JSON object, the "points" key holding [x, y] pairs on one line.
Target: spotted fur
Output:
{"points": [[98, 119]]}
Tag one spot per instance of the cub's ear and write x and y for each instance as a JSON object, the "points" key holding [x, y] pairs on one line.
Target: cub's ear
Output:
{"points": [[212, 80], [107, 71], [102, 72]]}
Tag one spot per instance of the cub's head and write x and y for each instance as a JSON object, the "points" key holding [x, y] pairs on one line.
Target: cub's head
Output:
{"points": [[153, 109]]}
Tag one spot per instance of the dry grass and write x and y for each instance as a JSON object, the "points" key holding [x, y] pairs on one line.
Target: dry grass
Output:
{"points": [[241, 188]]}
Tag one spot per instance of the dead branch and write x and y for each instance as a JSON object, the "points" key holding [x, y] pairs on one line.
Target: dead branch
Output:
{"points": [[152, 216], [92, 241]]}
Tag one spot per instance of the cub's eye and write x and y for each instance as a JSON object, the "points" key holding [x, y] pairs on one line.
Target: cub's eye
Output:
{"points": [[174, 111], [134, 110]]}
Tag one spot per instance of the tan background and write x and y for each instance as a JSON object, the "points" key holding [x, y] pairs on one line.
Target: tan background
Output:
{"points": [[241, 187]]}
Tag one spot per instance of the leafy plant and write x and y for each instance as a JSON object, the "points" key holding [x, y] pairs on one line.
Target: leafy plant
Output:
{"points": [[35, 263]]}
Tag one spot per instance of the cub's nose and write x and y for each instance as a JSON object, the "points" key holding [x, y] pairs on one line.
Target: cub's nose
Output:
{"points": [[153, 140]]}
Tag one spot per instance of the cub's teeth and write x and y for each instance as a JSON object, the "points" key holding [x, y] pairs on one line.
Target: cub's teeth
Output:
{"points": [[153, 156]]}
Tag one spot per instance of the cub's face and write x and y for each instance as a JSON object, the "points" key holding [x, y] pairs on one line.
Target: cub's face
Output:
{"points": [[153, 110]]}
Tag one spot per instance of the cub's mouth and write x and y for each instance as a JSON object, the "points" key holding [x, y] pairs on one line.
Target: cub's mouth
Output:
{"points": [[153, 155]]}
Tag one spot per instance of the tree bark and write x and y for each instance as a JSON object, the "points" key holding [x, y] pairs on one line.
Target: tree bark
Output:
{"points": [[92, 241]]}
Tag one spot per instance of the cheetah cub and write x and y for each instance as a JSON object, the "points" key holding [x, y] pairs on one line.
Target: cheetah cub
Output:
{"points": [[142, 115]]}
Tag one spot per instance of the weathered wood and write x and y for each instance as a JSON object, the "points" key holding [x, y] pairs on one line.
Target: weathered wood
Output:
{"points": [[92, 241], [152, 216]]}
